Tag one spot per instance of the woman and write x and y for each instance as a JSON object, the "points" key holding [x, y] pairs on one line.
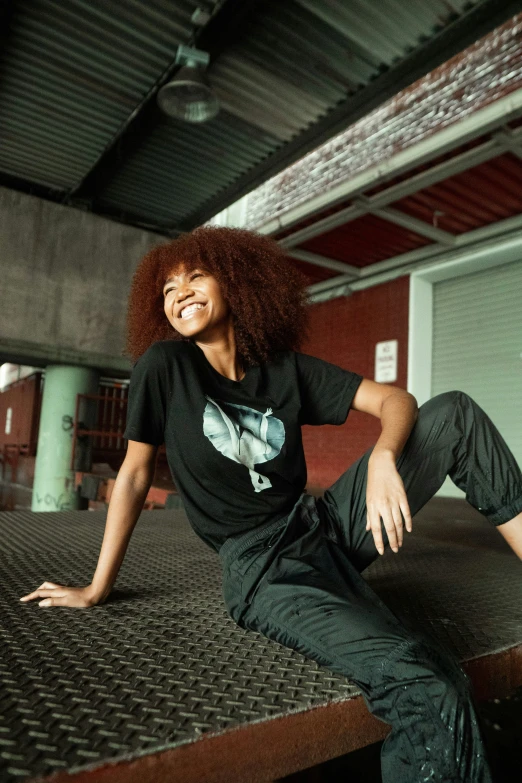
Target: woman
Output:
{"points": [[214, 321]]}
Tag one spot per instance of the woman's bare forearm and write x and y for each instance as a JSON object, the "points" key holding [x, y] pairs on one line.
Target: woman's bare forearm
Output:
{"points": [[125, 506], [512, 533]]}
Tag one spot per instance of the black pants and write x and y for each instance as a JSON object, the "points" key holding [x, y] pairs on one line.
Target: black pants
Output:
{"points": [[297, 581]]}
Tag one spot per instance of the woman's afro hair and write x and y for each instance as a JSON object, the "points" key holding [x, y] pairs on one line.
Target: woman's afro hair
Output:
{"points": [[266, 293]]}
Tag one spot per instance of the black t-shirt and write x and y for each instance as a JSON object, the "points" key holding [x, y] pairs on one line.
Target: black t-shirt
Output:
{"points": [[234, 448]]}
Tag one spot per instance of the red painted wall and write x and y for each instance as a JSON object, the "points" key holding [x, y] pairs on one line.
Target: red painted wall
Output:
{"points": [[24, 398], [344, 331]]}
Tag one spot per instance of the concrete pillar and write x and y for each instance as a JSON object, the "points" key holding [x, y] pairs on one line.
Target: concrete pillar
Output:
{"points": [[53, 488]]}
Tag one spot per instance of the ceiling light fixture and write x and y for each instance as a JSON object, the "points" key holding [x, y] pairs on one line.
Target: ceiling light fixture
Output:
{"points": [[188, 96]]}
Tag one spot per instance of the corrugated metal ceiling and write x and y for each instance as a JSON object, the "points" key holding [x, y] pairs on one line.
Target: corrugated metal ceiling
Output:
{"points": [[77, 78], [71, 76]]}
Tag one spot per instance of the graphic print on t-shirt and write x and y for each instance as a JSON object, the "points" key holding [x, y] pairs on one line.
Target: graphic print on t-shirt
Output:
{"points": [[244, 435]]}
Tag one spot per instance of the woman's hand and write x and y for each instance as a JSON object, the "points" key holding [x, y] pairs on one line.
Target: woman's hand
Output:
{"points": [[386, 498], [60, 595]]}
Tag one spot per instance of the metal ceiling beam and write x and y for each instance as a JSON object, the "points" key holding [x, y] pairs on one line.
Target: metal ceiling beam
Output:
{"points": [[505, 139], [226, 26], [405, 263], [327, 263], [508, 140], [424, 179], [479, 21], [406, 221]]}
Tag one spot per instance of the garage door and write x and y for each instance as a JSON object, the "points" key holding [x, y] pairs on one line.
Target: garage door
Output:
{"points": [[477, 348]]}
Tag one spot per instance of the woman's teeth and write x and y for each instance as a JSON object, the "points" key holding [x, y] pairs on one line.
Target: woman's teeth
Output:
{"points": [[191, 309]]}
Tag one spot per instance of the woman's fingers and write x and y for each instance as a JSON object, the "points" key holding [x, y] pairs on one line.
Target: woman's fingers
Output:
{"points": [[56, 600], [397, 520], [406, 514], [377, 537], [40, 592], [375, 526], [61, 595], [392, 521], [389, 524]]}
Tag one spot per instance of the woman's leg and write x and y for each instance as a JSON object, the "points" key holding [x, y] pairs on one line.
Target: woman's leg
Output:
{"points": [[313, 600], [452, 436]]}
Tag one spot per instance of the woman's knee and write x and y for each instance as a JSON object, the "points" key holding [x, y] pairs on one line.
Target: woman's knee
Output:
{"points": [[414, 662], [447, 399], [443, 406]]}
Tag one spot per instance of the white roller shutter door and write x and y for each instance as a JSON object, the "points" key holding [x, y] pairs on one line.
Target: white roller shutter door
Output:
{"points": [[477, 348]]}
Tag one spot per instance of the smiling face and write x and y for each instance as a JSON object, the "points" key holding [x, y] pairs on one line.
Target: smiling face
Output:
{"points": [[194, 304]]}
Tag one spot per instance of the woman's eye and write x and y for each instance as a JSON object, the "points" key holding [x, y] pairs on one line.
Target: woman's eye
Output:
{"points": [[195, 274]]}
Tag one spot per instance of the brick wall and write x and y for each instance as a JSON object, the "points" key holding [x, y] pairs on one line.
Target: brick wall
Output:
{"points": [[345, 331], [484, 72]]}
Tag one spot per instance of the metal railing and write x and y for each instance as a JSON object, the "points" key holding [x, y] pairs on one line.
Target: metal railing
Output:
{"points": [[99, 423]]}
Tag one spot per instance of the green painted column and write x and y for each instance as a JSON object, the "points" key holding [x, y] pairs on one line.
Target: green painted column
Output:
{"points": [[53, 488]]}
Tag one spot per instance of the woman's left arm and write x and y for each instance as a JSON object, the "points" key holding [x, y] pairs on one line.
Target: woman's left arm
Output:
{"points": [[385, 493]]}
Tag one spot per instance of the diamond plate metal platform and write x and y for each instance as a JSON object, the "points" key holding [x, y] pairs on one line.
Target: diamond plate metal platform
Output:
{"points": [[159, 683]]}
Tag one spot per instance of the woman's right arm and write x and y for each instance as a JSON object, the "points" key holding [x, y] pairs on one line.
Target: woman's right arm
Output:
{"points": [[130, 490]]}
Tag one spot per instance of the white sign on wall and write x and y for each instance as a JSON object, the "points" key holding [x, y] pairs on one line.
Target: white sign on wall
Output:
{"points": [[386, 361]]}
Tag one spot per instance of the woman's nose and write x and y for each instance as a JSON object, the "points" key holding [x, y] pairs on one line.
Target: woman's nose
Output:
{"points": [[183, 292]]}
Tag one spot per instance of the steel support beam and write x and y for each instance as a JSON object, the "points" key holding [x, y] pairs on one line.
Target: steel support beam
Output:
{"points": [[362, 204], [405, 263]]}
